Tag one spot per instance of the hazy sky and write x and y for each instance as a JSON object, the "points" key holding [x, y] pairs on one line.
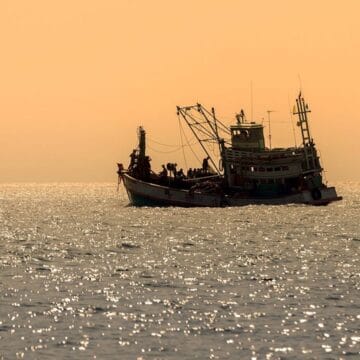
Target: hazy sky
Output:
{"points": [[77, 78]]}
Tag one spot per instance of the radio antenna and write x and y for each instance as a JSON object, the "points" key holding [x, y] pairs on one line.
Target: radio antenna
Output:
{"points": [[252, 101], [300, 84], [269, 112], [292, 121]]}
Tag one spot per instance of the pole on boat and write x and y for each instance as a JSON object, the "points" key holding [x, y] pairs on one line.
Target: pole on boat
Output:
{"points": [[142, 144], [269, 112]]}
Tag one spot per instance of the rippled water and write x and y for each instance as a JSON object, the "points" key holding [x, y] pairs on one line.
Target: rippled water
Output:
{"points": [[82, 275]]}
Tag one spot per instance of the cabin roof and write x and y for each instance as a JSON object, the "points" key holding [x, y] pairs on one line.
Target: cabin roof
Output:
{"points": [[251, 125]]}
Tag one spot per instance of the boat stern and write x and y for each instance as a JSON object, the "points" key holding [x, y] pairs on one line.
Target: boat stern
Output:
{"points": [[321, 196]]}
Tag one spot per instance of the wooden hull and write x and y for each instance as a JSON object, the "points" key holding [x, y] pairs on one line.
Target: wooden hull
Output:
{"points": [[143, 193]]}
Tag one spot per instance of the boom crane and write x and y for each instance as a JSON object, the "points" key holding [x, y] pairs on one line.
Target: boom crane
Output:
{"points": [[207, 129]]}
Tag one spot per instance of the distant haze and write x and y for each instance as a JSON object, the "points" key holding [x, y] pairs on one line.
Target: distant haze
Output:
{"points": [[78, 77]]}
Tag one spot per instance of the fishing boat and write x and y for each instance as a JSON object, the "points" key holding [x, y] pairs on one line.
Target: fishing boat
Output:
{"points": [[248, 171]]}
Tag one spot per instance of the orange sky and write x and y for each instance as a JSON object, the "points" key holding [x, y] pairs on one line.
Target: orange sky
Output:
{"points": [[77, 78]]}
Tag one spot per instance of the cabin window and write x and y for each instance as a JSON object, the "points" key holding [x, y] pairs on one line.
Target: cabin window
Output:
{"points": [[277, 168], [261, 169], [244, 134], [269, 169], [285, 168]]}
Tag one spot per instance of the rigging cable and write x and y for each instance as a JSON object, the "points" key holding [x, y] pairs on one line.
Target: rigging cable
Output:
{"points": [[182, 145], [159, 143], [173, 146], [187, 141], [164, 152]]}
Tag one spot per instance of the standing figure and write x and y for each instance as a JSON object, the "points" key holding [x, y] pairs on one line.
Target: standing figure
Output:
{"points": [[172, 168], [163, 173], [205, 164]]}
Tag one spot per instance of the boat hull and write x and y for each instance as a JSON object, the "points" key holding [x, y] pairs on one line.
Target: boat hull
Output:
{"points": [[143, 193]]}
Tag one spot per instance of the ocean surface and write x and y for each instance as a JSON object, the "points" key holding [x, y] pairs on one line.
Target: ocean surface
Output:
{"points": [[83, 275]]}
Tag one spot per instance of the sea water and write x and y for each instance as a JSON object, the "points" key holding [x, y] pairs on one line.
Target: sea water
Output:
{"points": [[83, 275]]}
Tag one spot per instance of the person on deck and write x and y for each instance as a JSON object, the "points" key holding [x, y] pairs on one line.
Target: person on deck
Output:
{"points": [[180, 174], [163, 173], [205, 164], [172, 168]]}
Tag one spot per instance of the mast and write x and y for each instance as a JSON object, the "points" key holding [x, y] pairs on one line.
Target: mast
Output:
{"points": [[142, 143], [308, 143], [302, 110], [216, 127]]}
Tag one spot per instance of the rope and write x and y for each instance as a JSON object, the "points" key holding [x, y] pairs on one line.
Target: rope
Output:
{"points": [[187, 141], [181, 140], [156, 142], [164, 152], [173, 146]]}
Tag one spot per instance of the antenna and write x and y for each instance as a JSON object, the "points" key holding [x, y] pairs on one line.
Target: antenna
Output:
{"points": [[269, 112], [292, 121], [300, 84], [252, 101]]}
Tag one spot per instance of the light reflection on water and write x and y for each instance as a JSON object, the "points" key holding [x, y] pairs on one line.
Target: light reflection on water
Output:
{"points": [[83, 275]]}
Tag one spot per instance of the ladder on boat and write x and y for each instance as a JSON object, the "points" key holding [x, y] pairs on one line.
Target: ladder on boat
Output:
{"points": [[309, 150]]}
